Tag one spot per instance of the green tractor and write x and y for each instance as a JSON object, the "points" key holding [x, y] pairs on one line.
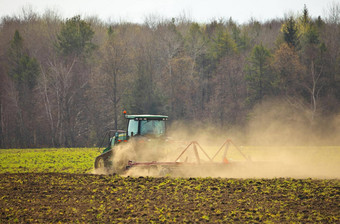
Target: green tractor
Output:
{"points": [[144, 147], [141, 130]]}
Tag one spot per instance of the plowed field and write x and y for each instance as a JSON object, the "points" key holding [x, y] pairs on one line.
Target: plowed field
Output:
{"points": [[72, 198]]}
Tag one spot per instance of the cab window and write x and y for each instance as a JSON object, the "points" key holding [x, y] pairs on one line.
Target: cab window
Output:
{"points": [[154, 127], [133, 127]]}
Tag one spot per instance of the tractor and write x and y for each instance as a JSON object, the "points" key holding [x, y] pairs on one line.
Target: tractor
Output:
{"points": [[144, 132], [145, 146]]}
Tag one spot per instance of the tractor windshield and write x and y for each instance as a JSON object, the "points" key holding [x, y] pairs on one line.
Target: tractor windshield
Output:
{"points": [[154, 127]]}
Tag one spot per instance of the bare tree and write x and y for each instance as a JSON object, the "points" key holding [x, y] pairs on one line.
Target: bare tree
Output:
{"points": [[115, 66], [230, 91], [334, 13]]}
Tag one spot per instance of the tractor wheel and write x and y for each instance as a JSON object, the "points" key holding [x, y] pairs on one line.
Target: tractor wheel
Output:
{"points": [[100, 163], [100, 166]]}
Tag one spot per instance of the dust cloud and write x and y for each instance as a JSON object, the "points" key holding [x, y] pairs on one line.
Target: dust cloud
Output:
{"points": [[278, 141]]}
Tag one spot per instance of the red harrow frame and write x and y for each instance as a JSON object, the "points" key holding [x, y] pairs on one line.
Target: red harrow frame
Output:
{"points": [[199, 163]]}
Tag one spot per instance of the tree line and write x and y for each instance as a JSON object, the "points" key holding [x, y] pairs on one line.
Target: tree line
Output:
{"points": [[64, 82]]}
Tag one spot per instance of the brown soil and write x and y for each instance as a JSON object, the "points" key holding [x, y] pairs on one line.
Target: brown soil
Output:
{"points": [[70, 198]]}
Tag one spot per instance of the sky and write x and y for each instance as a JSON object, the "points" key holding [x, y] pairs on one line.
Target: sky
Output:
{"points": [[241, 11]]}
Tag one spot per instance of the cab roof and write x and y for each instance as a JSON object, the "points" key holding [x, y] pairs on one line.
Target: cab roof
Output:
{"points": [[147, 116]]}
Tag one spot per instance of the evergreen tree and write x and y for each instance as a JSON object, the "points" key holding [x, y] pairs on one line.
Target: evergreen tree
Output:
{"points": [[258, 74], [23, 70], [222, 45], [75, 37], [290, 32], [71, 70], [238, 36]]}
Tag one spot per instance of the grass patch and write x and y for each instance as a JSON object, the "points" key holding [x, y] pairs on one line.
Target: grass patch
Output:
{"points": [[65, 160]]}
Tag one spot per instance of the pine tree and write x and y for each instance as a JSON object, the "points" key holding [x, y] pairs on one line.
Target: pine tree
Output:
{"points": [[290, 32], [75, 37], [24, 71], [259, 79]]}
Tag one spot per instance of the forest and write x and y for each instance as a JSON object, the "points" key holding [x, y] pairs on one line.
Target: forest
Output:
{"points": [[65, 82]]}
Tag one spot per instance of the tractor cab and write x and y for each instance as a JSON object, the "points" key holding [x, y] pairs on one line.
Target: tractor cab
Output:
{"points": [[143, 125], [152, 126]]}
